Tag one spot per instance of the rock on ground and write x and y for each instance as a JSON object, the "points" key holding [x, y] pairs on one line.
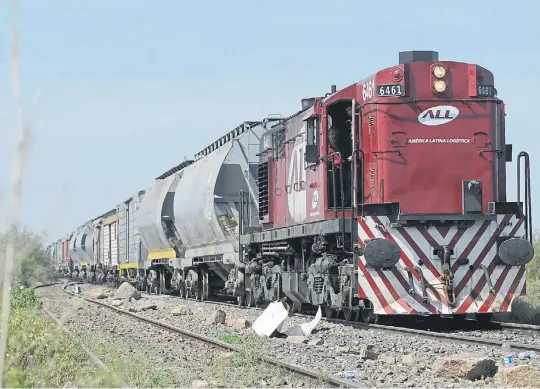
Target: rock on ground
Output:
{"points": [[316, 342], [367, 352], [525, 312], [241, 323], [296, 339], [126, 291], [217, 317], [518, 377], [181, 310], [96, 294], [472, 369]]}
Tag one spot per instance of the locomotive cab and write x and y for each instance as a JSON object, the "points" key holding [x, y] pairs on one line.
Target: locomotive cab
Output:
{"points": [[331, 146]]}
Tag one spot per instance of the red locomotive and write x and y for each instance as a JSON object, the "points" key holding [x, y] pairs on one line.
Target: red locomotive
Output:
{"points": [[389, 197]]}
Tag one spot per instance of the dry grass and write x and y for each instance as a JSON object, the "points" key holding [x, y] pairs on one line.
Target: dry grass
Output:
{"points": [[40, 354], [18, 169]]}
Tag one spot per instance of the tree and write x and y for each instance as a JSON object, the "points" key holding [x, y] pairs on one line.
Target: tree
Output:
{"points": [[32, 263]]}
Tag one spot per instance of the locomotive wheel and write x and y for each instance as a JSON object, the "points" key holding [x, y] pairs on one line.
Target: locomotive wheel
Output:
{"points": [[329, 312], [369, 317], [240, 300], [249, 299], [348, 314]]}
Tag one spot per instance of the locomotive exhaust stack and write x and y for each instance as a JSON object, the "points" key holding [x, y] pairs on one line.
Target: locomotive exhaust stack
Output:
{"points": [[417, 56]]}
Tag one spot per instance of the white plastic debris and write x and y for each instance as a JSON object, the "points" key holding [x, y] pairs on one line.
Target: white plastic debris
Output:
{"points": [[305, 329], [271, 319]]}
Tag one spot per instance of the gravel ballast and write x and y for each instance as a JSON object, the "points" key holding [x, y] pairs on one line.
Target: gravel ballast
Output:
{"points": [[158, 358], [371, 357]]}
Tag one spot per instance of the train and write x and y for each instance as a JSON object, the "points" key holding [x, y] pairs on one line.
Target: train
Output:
{"points": [[385, 198]]}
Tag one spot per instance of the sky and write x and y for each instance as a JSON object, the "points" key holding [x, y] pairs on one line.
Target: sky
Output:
{"points": [[130, 87]]}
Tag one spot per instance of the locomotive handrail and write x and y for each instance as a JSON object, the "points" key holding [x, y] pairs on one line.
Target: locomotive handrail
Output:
{"points": [[342, 193], [495, 151], [414, 101], [527, 212], [354, 173]]}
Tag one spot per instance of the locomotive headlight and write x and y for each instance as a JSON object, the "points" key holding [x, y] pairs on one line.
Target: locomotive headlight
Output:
{"points": [[439, 86], [439, 71]]}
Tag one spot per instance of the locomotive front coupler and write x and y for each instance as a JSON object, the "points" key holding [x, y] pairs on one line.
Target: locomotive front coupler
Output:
{"points": [[444, 253]]}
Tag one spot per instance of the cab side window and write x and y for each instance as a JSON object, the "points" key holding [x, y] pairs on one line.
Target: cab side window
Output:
{"points": [[313, 140]]}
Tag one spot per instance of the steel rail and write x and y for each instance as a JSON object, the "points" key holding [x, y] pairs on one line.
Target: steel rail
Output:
{"points": [[427, 334], [473, 340], [514, 326], [93, 357], [311, 373]]}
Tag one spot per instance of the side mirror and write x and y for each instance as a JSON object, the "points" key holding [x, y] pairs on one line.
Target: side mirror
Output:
{"points": [[312, 154], [508, 152]]}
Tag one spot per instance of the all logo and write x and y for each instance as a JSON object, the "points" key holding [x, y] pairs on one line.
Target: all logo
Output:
{"points": [[441, 114]]}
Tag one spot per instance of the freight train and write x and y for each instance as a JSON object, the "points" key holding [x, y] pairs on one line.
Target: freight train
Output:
{"points": [[387, 197]]}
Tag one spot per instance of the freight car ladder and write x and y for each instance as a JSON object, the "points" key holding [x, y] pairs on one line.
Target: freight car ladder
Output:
{"points": [[249, 218]]}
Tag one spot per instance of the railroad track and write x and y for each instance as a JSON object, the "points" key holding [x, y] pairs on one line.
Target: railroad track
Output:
{"points": [[519, 327], [300, 370], [434, 334]]}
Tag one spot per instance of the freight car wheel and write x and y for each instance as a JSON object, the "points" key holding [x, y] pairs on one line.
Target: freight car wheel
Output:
{"points": [[277, 288]]}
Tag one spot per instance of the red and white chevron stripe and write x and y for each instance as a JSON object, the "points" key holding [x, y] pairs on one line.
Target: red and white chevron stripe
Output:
{"points": [[388, 290]]}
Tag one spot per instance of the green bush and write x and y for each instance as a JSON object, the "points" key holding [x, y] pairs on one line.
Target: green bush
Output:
{"points": [[39, 354], [32, 263], [533, 267]]}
